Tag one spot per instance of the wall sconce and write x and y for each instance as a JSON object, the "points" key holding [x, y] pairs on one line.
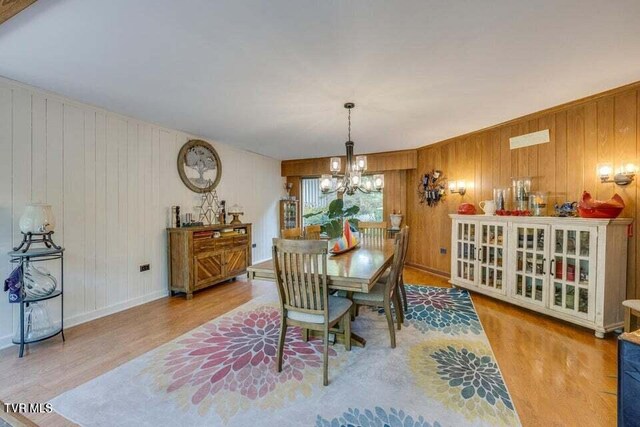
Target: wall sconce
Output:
{"points": [[459, 187], [623, 175]]}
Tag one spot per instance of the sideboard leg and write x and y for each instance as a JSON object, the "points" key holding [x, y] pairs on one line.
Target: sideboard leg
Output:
{"points": [[599, 334], [189, 295]]}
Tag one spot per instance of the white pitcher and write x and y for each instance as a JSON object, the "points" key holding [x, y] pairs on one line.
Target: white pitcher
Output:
{"points": [[488, 207]]}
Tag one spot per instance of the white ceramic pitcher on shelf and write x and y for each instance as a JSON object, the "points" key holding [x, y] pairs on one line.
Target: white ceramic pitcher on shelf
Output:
{"points": [[488, 207]]}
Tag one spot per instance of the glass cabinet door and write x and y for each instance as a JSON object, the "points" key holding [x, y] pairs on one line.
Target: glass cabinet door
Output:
{"points": [[530, 243], [492, 252], [573, 270], [465, 241]]}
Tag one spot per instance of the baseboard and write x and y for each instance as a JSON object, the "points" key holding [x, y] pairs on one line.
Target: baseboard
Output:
{"points": [[443, 274], [87, 317]]}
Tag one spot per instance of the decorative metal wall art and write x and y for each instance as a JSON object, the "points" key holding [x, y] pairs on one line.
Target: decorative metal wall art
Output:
{"points": [[431, 189], [209, 208], [199, 166]]}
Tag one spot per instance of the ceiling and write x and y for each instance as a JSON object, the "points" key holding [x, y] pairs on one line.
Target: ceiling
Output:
{"points": [[272, 76]]}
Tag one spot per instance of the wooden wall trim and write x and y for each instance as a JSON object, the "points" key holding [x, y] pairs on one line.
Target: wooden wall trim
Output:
{"points": [[10, 8], [377, 162]]}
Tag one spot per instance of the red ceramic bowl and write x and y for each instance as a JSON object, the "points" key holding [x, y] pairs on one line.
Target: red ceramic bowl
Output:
{"points": [[466, 209], [600, 212]]}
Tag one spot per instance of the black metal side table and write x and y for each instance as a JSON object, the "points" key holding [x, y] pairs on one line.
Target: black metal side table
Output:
{"points": [[39, 255]]}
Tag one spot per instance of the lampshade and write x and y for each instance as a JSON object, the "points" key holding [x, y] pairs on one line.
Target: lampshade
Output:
{"points": [[335, 164], [361, 163], [378, 182], [37, 218], [355, 178], [605, 170]]}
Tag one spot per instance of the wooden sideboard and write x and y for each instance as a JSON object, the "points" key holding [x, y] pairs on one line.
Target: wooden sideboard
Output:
{"points": [[198, 259], [574, 269]]}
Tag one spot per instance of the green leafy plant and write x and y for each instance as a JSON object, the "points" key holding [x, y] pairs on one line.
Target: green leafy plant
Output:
{"points": [[332, 220]]}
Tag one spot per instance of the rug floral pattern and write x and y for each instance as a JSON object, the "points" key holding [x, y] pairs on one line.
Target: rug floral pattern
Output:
{"points": [[230, 364], [464, 376], [446, 310], [442, 372], [373, 418]]}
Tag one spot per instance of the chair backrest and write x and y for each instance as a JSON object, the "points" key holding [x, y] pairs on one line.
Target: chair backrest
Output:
{"points": [[405, 248], [291, 233], [301, 274], [373, 230], [396, 265], [312, 232]]}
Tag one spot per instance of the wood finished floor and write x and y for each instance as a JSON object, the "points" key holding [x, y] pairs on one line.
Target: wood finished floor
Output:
{"points": [[558, 374]]}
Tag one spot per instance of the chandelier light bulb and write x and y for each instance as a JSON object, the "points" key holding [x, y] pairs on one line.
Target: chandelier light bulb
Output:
{"points": [[325, 183]]}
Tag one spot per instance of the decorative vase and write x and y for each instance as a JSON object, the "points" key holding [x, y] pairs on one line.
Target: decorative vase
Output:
{"points": [[37, 323], [37, 218], [38, 282], [396, 220]]}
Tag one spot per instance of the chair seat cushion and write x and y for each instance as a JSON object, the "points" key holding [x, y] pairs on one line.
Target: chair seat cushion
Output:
{"points": [[376, 294], [633, 304], [337, 307]]}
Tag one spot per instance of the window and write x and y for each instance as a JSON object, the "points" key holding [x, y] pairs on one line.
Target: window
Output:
{"points": [[370, 205], [313, 200]]}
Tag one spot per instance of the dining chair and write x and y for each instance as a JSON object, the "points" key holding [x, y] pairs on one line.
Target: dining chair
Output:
{"points": [[401, 289], [384, 292], [301, 275], [312, 232], [373, 230], [405, 250], [291, 233]]}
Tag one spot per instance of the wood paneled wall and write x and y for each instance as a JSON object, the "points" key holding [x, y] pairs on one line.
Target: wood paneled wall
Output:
{"points": [[394, 165], [110, 180], [583, 133], [376, 162], [600, 128]]}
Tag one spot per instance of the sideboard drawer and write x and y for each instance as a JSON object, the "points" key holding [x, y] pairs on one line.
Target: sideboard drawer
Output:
{"points": [[242, 240], [204, 245]]}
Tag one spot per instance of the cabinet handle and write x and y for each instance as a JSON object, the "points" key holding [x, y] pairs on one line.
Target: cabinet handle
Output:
{"points": [[479, 253], [544, 262], [553, 260]]}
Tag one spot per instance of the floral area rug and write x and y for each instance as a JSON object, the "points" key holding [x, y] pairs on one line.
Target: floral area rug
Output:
{"points": [[442, 373]]}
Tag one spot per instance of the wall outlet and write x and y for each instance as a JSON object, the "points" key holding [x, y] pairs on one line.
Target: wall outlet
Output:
{"points": [[443, 251], [145, 267], [253, 245]]}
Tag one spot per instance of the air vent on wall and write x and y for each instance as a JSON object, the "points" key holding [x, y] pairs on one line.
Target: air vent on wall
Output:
{"points": [[529, 139]]}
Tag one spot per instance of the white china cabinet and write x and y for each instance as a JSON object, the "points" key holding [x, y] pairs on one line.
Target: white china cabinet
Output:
{"points": [[574, 269]]}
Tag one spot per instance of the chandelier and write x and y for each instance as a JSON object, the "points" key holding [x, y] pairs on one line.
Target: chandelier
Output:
{"points": [[353, 179]]}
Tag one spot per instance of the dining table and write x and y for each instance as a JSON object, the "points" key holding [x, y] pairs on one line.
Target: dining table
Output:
{"points": [[354, 271]]}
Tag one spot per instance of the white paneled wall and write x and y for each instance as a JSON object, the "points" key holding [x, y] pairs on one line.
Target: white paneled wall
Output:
{"points": [[111, 180]]}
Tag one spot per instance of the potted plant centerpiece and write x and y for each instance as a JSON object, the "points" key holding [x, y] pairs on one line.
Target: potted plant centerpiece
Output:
{"points": [[332, 220]]}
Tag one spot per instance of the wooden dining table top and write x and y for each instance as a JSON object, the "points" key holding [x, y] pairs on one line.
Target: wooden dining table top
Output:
{"points": [[356, 270]]}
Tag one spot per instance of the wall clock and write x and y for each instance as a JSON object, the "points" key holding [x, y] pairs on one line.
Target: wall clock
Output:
{"points": [[199, 166]]}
